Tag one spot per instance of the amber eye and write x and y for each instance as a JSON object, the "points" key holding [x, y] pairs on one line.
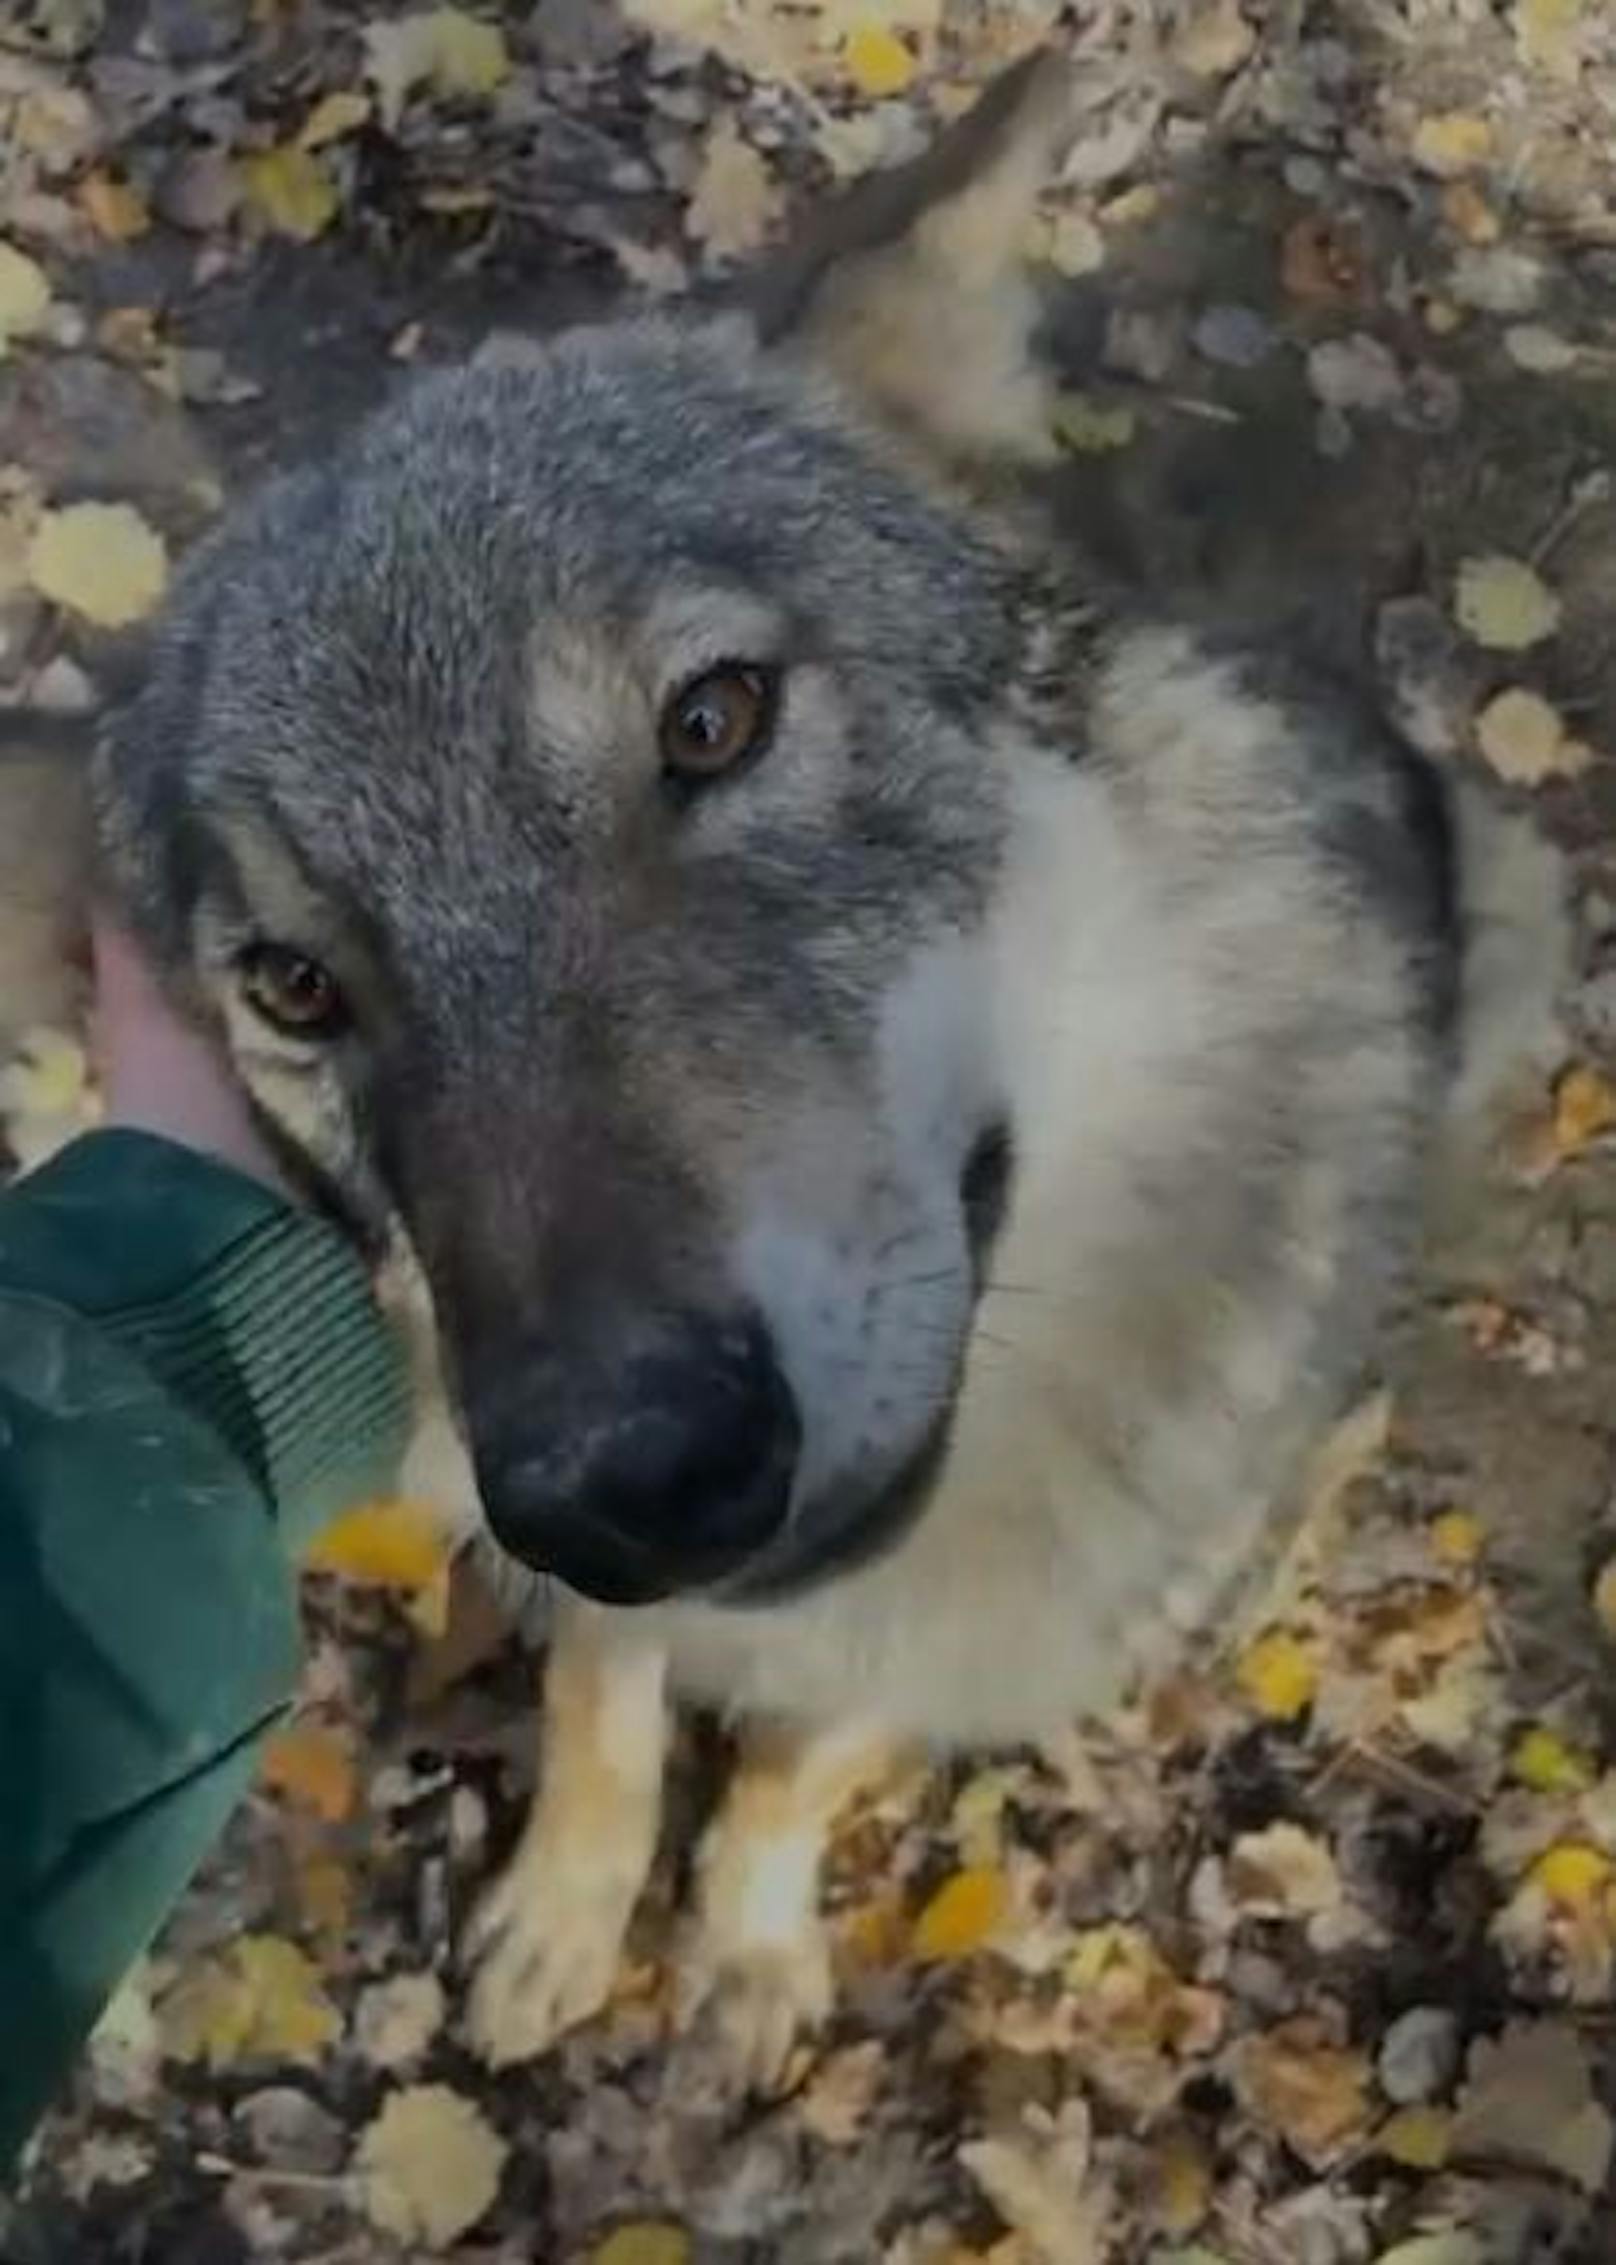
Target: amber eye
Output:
{"points": [[717, 720], [293, 993]]}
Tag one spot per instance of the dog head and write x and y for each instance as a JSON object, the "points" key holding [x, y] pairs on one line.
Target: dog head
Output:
{"points": [[579, 802]]}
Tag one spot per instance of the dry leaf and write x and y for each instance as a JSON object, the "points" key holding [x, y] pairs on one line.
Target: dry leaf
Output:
{"points": [[1584, 1109], [1452, 142], [290, 191], [1469, 215], [1420, 2138], [1283, 1873], [312, 1768], [386, 1545], [735, 200], [25, 294], [1572, 1874], [1182, 2179], [1323, 265], [1524, 740], [1548, 34], [1091, 428], [1278, 1675], [1212, 41], [1528, 2098], [1457, 1537], [258, 1998], [964, 1914], [334, 117], [114, 210], [444, 48], [1043, 2192], [1533, 346], [1544, 1762], [1504, 604], [396, 2020], [836, 2099], [1604, 1599], [878, 62], [1300, 2083], [644, 2241], [100, 560], [324, 1891], [430, 2163], [1453, 2245]]}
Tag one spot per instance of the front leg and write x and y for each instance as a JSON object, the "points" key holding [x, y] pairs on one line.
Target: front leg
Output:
{"points": [[547, 1937], [759, 1956]]}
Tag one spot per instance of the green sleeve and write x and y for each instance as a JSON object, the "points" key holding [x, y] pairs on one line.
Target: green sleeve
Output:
{"points": [[193, 1379]]}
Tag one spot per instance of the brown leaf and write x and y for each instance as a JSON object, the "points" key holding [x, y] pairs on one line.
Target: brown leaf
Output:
{"points": [[1322, 264], [837, 2097], [311, 1767], [1301, 2084]]}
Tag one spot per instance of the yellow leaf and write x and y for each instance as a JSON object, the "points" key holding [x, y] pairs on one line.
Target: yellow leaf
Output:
{"points": [[1182, 2181], [644, 2241], [1090, 428], [878, 62], [113, 209], [24, 294], [1572, 1874], [324, 1890], [1547, 33], [1419, 2138], [1584, 1108], [385, 1545], [1451, 142], [101, 561], [1133, 206], [290, 191], [1525, 741], [1278, 1676], [1457, 1537], [1504, 604], [1547, 1764], [333, 117], [259, 1998], [444, 48], [312, 1768], [431, 2165], [1469, 215], [966, 1911]]}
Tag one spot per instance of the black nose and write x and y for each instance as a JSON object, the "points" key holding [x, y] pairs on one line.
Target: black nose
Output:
{"points": [[636, 1478]]}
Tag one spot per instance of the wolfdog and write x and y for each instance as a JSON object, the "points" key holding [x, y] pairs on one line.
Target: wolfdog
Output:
{"points": [[891, 1085]]}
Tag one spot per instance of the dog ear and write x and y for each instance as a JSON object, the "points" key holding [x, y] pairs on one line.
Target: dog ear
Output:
{"points": [[913, 286]]}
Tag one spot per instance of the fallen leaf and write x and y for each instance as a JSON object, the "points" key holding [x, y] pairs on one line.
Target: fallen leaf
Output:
{"points": [[1128, 1994], [1584, 1108], [735, 200], [312, 1768], [1604, 1599], [1283, 1872], [1132, 207], [1355, 373], [1504, 604], [836, 2099], [964, 1913], [1092, 428], [1069, 242], [1278, 1675], [1528, 2098], [1451, 2245], [1544, 1762], [324, 1891], [1323, 265], [1524, 740], [1043, 2190], [878, 62], [444, 48], [258, 1998], [334, 117], [1497, 279], [387, 1545], [99, 560], [1533, 346], [1548, 35], [114, 210], [396, 2020], [25, 294], [430, 2164], [1301, 2084], [1182, 2180], [644, 2241], [1213, 40], [1469, 214], [290, 191], [1420, 2138], [1452, 142], [1572, 1874], [1457, 1537]]}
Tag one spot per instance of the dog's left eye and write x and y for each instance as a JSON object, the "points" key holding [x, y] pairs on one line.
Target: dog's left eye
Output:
{"points": [[295, 994], [717, 720]]}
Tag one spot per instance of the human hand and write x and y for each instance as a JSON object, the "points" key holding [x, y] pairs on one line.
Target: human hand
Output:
{"points": [[158, 1073]]}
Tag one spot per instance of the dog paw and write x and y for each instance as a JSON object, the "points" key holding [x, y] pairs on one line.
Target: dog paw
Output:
{"points": [[546, 1941], [758, 2003]]}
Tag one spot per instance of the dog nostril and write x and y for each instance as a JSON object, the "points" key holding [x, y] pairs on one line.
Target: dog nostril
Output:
{"points": [[664, 1474], [985, 1187]]}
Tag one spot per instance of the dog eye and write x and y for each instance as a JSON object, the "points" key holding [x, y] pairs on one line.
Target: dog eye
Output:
{"points": [[293, 992], [717, 720]]}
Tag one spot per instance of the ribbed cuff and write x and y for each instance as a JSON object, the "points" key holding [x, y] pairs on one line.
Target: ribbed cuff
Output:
{"points": [[255, 1317]]}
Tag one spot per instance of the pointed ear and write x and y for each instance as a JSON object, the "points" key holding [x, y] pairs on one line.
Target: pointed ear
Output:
{"points": [[913, 289]]}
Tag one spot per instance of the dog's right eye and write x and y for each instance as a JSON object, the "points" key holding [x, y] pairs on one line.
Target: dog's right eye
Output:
{"points": [[295, 994]]}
